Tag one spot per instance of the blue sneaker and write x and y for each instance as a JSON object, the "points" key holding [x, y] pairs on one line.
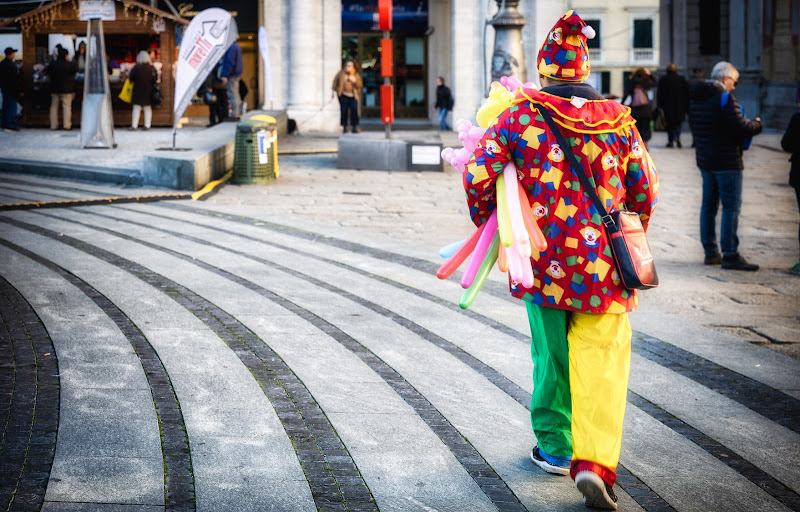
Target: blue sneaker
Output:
{"points": [[548, 466]]}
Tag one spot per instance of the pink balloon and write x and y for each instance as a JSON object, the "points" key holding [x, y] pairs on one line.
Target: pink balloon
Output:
{"points": [[480, 251]]}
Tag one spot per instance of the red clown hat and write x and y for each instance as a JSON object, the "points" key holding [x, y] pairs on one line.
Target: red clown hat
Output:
{"points": [[564, 55]]}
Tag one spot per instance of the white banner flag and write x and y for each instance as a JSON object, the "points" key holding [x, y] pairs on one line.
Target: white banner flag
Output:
{"points": [[205, 41], [264, 48]]}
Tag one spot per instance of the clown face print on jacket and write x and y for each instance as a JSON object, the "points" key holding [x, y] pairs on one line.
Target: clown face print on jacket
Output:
{"points": [[539, 210], [556, 154], [491, 148], [636, 149], [590, 236], [554, 269]]}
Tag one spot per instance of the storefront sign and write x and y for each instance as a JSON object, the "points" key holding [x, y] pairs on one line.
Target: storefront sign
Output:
{"points": [[425, 155], [204, 43], [97, 9], [363, 16]]}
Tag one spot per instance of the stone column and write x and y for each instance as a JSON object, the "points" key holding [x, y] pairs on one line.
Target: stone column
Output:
{"points": [[313, 40], [466, 63], [508, 57], [274, 18]]}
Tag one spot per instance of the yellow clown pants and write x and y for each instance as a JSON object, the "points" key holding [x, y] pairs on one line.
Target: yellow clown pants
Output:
{"points": [[581, 365]]}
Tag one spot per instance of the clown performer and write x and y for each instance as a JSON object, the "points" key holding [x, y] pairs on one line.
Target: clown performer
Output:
{"points": [[577, 306]]}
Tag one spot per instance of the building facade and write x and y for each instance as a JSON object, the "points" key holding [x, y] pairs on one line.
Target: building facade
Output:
{"points": [[759, 37], [626, 39], [309, 39]]}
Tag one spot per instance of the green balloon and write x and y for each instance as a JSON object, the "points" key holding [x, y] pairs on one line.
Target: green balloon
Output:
{"points": [[483, 272]]}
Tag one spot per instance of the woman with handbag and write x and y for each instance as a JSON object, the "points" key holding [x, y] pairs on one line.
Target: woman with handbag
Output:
{"points": [[578, 302], [641, 81], [143, 77]]}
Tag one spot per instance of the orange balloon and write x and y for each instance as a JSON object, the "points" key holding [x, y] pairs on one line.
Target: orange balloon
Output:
{"points": [[538, 240], [460, 255], [502, 260]]}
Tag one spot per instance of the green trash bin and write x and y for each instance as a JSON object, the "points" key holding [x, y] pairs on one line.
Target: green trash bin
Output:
{"points": [[254, 158]]}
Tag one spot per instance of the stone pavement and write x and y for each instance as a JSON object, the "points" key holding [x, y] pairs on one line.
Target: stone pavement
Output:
{"points": [[288, 347]]}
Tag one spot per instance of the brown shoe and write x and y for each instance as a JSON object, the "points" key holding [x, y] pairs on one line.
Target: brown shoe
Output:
{"points": [[356, 130]]}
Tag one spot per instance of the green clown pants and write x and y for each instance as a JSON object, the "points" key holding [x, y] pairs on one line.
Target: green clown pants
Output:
{"points": [[580, 378]]}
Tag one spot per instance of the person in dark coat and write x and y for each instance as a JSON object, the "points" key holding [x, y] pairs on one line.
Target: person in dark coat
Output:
{"points": [[444, 102], [143, 76], [62, 88], [641, 81], [216, 96], [673, 99], [11, 86], [719, 130], [791, 144]]}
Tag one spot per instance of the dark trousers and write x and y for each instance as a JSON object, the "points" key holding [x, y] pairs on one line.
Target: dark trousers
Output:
{"points": [[674, 131], [9, 111], [348, 104], [217, 112], [797, 192], [724, 187]]}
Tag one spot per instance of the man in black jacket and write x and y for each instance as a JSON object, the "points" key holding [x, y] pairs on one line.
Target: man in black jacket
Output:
{"points": [[719, 130], [790, 142], [11, 86], [444, 102], [62, 89]]}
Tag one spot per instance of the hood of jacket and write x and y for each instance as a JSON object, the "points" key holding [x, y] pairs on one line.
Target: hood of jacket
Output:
{"points": [[702, 91]]}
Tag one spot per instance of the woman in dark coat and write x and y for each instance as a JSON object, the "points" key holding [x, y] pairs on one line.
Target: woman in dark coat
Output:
{"points": [[641, 81], [143, 76]]}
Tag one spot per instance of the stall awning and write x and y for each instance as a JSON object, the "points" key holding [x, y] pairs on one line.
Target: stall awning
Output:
{"points": [[52, 9]]}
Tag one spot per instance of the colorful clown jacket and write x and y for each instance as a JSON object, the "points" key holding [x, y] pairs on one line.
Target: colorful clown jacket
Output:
{"points": [[577, 270]]}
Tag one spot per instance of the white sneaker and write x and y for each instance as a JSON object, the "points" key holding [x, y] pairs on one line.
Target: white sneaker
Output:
{"points": [[596, 493], [537, 459]]}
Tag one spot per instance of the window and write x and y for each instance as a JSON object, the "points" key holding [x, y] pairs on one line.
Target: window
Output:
{"points": [[643, 51], [596, 25], [605, 82], [710, 31], [643, 33], [593, 45]]}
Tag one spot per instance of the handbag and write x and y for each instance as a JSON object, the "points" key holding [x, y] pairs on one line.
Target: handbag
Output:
{"points": [[660, 120], [210, 98], [624, 229], [155, 96], [126, 94]]}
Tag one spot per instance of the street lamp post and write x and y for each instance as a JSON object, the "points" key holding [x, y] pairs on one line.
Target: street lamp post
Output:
{"points": [[508, 58]]}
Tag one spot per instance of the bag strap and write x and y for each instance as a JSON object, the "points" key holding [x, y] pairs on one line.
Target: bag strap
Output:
{"points": [[577, 168]]}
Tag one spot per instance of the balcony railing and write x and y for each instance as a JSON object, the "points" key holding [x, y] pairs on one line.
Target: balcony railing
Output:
{"points": [[596, 54], [643, 55]]}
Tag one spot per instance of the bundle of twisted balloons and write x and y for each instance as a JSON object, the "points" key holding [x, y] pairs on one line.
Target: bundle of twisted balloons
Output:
{"points": [[511, 233]]}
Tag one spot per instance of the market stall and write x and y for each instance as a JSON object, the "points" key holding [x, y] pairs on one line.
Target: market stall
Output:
{"points": [[136, 26]]}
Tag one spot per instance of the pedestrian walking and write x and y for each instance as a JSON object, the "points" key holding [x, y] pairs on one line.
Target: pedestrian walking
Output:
{"points": [[673, 99], [719, 131], [11, 86], [347, 86], [232, 69], [143, 76], [444, 102], [641, 81], [791, 144], [62, 89], [577, 305], [216, 96]]}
